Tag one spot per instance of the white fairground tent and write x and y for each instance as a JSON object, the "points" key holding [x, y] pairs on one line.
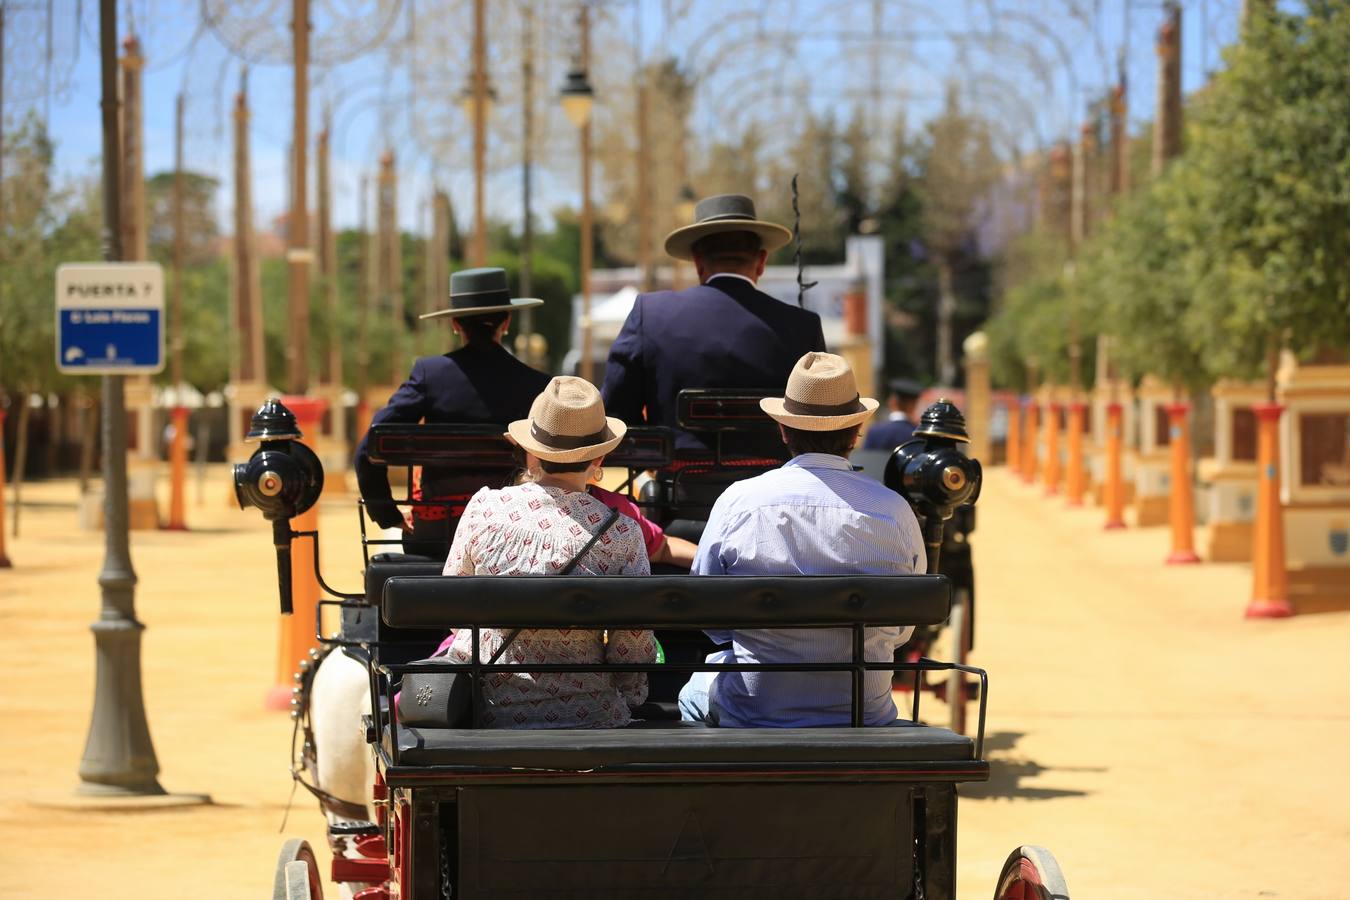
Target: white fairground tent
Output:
{"points": [[863, 268]]}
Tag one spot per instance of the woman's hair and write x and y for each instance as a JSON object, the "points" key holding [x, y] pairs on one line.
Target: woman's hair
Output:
{"points": [[835, 443], [482, 329], [554, 468]]}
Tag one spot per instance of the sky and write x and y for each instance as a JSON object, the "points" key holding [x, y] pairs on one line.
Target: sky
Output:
{"points": [[390, 71]]}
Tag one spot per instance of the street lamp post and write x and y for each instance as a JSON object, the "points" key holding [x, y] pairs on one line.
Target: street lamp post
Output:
{"points": [[578, 100], [476, 100]]}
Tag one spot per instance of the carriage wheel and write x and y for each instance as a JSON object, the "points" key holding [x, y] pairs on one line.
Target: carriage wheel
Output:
{"points": [[297, 876], [1031, 873], [958, 627]]}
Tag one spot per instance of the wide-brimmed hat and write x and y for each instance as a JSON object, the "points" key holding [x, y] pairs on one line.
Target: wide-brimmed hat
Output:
{"points": [[723, 213], [477, 291], [567, 423], [822, 395]]}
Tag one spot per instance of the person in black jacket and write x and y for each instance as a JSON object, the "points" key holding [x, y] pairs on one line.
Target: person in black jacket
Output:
{"points": [[902, 405], [480, 383], [725, 333]]}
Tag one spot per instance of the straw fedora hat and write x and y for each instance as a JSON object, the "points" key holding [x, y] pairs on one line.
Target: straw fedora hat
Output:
{"points": [[567, 423], [477, 291], [723, 213], [822, 395]]}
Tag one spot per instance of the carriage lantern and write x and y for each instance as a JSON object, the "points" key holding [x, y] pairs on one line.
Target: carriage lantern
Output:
{"points": [[932, 473], [283, 478]]}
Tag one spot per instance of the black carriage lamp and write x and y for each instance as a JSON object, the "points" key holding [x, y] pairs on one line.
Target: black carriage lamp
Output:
{"points": [[282, 479], [933, 474]]}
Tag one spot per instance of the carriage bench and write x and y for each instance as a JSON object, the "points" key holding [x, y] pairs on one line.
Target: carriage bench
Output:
{"points": [[681, 810]]}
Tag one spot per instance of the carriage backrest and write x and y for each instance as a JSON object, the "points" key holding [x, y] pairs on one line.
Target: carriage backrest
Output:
{"points": [[469, 449], [664, 601]]}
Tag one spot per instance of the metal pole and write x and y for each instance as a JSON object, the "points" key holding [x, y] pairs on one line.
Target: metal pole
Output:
{"points": [[178, 449], [644, 189], [527, 125], [298, 253], [119, 758], [363, 312], [587, 238], [479, 255]]}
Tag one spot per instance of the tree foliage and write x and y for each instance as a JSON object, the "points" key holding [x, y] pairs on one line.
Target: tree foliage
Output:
{"points": [[1242, 242], [1263, 211]]}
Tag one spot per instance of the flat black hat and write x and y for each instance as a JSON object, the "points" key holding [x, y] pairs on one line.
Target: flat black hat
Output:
{"points": [[904, 387], [474, 292]]}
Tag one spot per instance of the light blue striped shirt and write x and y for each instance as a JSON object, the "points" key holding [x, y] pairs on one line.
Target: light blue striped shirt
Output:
{"points": [[813, 516]]}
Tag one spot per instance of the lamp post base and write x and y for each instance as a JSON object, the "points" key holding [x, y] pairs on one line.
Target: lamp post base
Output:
{"points": [[85, 799]]}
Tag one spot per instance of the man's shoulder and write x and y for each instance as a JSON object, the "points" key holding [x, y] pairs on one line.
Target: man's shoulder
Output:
{"points": [[658, 302]]}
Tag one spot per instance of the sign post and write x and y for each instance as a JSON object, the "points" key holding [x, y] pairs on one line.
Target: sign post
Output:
{"points": [[110, 321]]}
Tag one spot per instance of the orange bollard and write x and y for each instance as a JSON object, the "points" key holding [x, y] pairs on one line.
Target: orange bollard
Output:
{"points": [[1113, 488], [1270, 580], [4, 560], [178, 471], [1075, 482], [1029, 443], [297, 631], [363, 417], [1052, 466], [1012, 443], [1181, 507]]}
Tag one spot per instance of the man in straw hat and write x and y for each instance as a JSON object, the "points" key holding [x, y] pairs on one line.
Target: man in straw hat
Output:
{"points": [[480, 383], [813, 516], [725, 333]]}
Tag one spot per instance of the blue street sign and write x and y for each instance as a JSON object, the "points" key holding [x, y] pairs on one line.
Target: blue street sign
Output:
{"points": [[109, 318]]}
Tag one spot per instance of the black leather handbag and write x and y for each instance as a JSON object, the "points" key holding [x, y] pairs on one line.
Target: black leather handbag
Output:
{"points": [[446, 699]]}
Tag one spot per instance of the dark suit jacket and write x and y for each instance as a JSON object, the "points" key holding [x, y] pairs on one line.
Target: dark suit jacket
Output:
{"points": [[888, 435], [476, 384], [723, 334]]}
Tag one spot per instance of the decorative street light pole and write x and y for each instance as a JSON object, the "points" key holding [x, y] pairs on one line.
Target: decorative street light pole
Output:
{"points": [[119, 758], [578, 100], [476, 101]]}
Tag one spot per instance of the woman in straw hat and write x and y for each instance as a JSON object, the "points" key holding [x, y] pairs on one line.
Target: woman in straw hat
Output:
{"points": [[543, 526]]}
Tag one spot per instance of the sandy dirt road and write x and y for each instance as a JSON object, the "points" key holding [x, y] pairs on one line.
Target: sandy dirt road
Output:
{"points": [[1138, 727]]}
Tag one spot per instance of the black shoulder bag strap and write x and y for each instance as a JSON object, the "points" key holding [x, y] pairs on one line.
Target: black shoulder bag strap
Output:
{"points": [[567, 570]]}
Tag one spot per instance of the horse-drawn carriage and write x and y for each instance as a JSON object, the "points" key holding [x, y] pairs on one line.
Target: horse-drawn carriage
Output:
{"points": [[662, 808]]}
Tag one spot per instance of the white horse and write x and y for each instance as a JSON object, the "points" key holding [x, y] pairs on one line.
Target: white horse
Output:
{"points": [[339, 762]]}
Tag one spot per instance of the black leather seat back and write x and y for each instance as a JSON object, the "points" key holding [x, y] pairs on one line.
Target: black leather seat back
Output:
{"points": [[541, 601], [400, 645]]}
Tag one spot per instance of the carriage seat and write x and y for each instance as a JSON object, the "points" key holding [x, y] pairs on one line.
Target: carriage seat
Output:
{"points": [[803, 601], [679, 746], [364, 625]]}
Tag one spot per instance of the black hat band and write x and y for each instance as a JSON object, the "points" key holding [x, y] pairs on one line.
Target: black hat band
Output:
{"points": [[568, 441], [473, 299], [798, 408], [729, 217]]}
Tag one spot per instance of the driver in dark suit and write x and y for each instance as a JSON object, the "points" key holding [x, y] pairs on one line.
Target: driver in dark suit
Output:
{"points": [[902, 406], [480, 383], [724, 333]]}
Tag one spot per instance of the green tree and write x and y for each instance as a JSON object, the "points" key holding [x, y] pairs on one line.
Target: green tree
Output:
{"points": [[1143, 292], [1262, 197], [957, 167]]}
